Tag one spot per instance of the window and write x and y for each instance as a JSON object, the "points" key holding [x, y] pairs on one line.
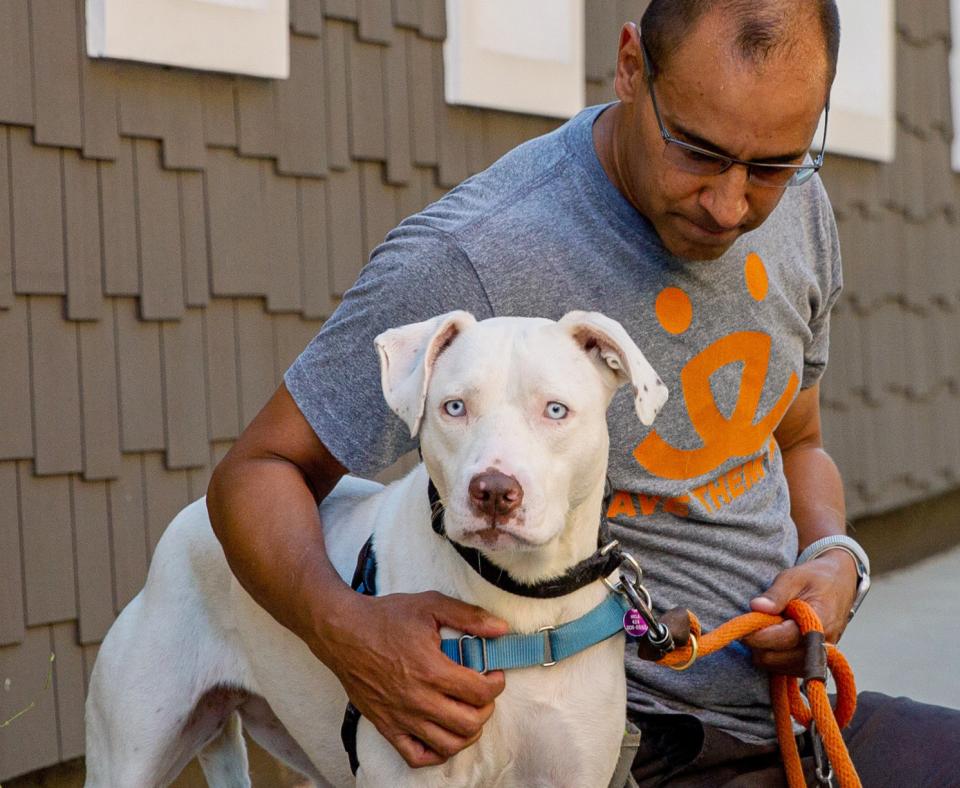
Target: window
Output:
{"points": [[520, 55], [862, 105], [236, 36]]}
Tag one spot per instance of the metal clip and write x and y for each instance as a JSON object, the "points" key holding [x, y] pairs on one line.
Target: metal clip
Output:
{"points": [[824, 770], [631, 585], [483, 649], [549, 661]]}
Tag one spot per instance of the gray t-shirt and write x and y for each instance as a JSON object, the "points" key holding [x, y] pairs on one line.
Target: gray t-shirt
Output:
{"points": [[701, 498]]}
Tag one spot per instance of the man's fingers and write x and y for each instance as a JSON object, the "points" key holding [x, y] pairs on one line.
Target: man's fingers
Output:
{"points": [[779, 637], [459, 718], [440, 740], [459, 615], [415, 752], [468, 686]]}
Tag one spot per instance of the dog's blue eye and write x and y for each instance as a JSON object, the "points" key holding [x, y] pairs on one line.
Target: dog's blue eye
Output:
{"points": [[455, 407], [556, 410]]}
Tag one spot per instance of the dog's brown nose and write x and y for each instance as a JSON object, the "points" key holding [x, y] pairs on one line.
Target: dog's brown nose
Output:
{"points": [[495, 494]]}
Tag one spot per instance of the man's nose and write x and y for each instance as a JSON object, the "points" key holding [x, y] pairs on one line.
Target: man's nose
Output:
{"points": [[495, 494], [725, 197]]}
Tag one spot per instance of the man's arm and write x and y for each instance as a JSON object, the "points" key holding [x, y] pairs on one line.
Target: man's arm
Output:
{"points": [[829, 582], [262, 500]]}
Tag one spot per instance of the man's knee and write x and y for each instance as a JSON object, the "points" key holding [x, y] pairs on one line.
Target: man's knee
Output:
{"points": [[898, 741]]}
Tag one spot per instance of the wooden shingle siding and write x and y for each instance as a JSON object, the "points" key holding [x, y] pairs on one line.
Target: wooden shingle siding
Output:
{"points": [[98, 85], [138, 366], [335, 38], [16, 80], [11, 578], [219, 110], [37, 216], [193, 232], [118, 217], [98, 397], [170, 240], [184, 406], [346, 245], [301, 111], [236, 225], [16, 432], [82, 219], [6, 240], [341, 9], [91, 525], [433, 20], [221, 368], [159, 235], [397, 116], [366, 105], [306, 17], [56, 73], [406, 13], [379, 201], [257, 117], [314, 242], [423, 92], [68, 676], [55, 388], [48, 553], [35, 741], [283, 247], [166, 492], [374, 22], [257, 370], [128, 530]]}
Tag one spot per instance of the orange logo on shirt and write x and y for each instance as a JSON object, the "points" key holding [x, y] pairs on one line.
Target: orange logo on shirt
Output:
{"points": [[740, 434]]}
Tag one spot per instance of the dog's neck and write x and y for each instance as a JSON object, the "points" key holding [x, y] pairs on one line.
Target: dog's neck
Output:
{"points": [[554, 569]]}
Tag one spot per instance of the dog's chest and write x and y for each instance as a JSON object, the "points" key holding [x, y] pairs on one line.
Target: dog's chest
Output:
{"points": [[557, 726]]}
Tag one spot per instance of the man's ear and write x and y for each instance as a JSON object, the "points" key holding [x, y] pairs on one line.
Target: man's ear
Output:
{"points": [[595, 332], [407, 355]]}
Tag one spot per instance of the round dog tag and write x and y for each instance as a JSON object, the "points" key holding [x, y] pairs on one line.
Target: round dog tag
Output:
{"points": [[634, 624]]}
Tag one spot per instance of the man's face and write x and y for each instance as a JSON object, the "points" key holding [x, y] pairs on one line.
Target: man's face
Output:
{"points": [[711, 98]]}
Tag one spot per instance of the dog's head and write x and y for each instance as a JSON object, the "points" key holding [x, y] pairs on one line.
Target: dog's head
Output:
{"points": [[512, 417]]}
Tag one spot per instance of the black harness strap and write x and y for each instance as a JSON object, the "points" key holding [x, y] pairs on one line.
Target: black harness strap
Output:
{"points": [[365, 582]]}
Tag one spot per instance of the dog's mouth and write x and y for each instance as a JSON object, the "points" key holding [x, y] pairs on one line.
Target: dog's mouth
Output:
{"points": [[496, 538]]}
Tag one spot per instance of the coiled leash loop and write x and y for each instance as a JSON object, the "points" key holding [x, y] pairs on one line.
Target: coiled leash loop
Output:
{"points": [[815, 714]]}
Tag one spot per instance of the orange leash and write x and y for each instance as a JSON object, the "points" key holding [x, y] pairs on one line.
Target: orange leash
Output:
{"points": [[788, 702]]}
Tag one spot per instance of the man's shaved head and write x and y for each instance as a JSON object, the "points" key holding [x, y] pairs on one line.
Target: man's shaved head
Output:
{"points": [[759, 28]]}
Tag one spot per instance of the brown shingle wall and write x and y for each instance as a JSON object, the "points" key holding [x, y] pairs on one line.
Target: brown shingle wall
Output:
{"points": [[170, 240], [892, 390]]}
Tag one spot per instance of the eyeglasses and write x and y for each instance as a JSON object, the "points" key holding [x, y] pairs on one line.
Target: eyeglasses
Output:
{"points": [[700, 161]]}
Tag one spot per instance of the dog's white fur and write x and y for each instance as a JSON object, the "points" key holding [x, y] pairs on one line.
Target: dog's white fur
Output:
{"points": [[193, 655]]}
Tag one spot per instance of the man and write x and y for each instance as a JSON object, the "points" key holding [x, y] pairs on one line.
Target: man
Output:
{"points": [[680, 211]]}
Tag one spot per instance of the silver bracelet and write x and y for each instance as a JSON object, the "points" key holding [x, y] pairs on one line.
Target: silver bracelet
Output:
{"points": [[849, 546]]}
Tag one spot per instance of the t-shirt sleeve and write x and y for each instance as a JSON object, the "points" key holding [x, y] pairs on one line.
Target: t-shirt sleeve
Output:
{"points": [[416, 273], [830, 281]]}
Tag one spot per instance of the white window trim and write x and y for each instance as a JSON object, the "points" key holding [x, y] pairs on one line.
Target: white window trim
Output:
{"points": [[234, 36], [539, 76], [853, 131]]}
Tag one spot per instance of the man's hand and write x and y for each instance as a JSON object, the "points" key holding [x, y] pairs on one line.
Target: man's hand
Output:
{"points": [[828, 584], [386, 653]]}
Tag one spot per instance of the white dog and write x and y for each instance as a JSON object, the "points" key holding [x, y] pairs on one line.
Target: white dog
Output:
{"points": [[511, 418]]}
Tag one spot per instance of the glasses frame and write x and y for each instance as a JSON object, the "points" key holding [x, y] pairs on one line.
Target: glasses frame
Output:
{"points": [[802, 172]]}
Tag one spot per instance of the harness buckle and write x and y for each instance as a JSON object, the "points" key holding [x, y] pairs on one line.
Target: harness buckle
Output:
{"points": [[483, 650], [549, 661]]}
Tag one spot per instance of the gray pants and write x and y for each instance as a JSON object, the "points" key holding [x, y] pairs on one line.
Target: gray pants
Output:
{"points": [[894, 742]]}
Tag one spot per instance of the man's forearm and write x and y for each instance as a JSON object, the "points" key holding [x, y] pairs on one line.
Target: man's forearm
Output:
{"points": [[266, 519], [816, 493]]}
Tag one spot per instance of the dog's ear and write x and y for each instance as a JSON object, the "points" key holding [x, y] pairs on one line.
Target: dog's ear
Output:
{"points": [[596, 332], [407, 355]]}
